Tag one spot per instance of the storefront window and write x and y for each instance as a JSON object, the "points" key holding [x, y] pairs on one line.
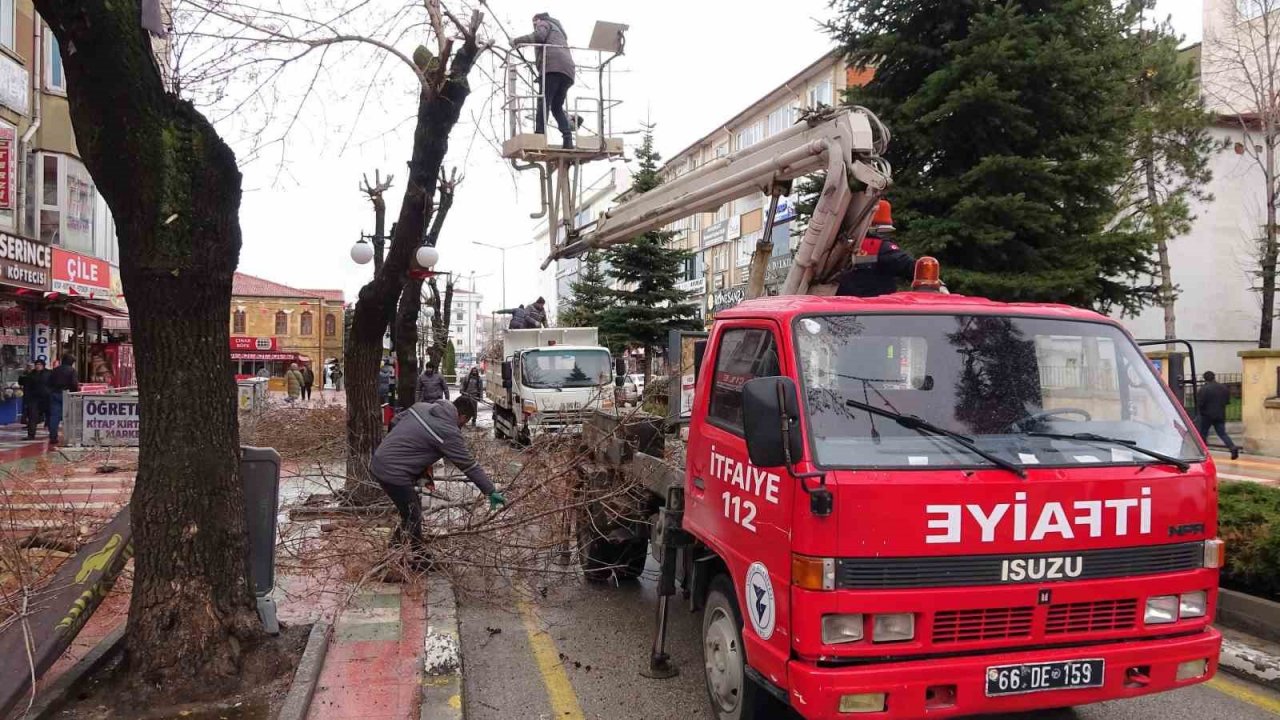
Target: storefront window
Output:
{"points": [[15, 341]]}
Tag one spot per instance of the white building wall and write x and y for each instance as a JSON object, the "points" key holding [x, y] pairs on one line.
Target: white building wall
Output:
{"points": [[1212, 266]]}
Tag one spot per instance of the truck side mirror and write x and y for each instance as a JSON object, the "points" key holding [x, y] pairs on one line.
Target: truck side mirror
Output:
{"points": [[619, 371], [506, 374], [771, 419]]}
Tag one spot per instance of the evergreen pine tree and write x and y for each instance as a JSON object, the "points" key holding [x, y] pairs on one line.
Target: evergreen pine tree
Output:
{"points": [[590, 294], [649, 306], [1010, 122]]}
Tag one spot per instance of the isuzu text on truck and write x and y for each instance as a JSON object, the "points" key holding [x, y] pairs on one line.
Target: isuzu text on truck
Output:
{"points": [[918, 505]]}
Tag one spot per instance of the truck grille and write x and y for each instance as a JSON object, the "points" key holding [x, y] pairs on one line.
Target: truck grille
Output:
{"points": [[951, 626], [1096, 616], [870, 573]]}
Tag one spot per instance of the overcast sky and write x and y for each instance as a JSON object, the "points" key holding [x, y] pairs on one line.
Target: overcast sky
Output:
{"points": [[688, 66]]}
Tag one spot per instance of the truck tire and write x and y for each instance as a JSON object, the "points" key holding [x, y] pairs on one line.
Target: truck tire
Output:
{"points": [[597, 556], [733, 695], [632, 557]]}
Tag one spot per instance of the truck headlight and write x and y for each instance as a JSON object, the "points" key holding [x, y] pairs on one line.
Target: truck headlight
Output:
{"points": [[894, 627], [838, 629], [1193, 604], [1161, 610]]}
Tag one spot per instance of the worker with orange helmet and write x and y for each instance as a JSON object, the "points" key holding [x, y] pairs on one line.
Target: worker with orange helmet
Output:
{"points": [[877, 263]]}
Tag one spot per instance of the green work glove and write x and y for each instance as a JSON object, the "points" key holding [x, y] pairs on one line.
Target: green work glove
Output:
{"points": [[496, 499]]}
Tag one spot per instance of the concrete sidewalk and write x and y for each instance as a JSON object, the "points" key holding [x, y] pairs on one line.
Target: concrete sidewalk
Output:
{"points": [[1248, 468]]}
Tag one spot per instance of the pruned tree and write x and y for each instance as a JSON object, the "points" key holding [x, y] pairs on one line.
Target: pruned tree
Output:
{"points": [[1240, 73], [410, 305], [174, 189]]}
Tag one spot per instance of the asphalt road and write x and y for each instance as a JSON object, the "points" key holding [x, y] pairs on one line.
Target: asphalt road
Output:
{"points": [[576, 652]]}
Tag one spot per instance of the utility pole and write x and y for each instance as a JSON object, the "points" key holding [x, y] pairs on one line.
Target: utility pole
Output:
{"points": [[503, 250]]}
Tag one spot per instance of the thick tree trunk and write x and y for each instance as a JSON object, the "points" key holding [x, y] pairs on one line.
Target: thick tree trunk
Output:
{"points": [[407, 343], [174, 189], [439, 107]]}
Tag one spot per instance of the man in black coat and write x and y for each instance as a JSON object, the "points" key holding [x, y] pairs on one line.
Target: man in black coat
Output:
{"points": [[1211, 410], [35, 396]]}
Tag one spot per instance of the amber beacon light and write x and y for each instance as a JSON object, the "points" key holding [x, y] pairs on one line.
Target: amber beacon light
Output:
{"points": [[927, 276]]}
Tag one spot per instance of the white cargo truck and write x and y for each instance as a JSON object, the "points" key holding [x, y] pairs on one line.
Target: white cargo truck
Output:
{"points": [[548, 381]]}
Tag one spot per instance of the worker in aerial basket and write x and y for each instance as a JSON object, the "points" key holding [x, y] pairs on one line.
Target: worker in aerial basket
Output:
{"points": [[877, 263]]}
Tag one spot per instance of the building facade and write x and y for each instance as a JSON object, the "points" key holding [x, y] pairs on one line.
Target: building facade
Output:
{"points": [[1215, 266], [274, 325], [60, 289]]}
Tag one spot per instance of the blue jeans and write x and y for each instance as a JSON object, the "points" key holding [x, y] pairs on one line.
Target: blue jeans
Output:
{"points": [[55, 415]]}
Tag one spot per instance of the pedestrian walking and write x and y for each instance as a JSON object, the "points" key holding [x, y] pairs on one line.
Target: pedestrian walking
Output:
{"points": [[336, 374], [293, 383], [555, 63], [35, 396], [1211, 411], [419, 438], [473, 387], [385, 377], [431, 385], [62, 379], [308, 379]]}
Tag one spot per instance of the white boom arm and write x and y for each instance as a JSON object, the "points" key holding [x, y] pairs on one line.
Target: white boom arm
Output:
{"points": [[847, 143]]}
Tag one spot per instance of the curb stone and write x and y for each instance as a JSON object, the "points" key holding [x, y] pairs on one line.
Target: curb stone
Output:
{"points": [[442, 660], [54, 696], [303, 688], [1255, 660]]}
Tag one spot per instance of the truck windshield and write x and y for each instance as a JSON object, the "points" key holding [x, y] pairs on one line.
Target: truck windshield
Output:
{"points": [[1033, 391], [566, 368]]}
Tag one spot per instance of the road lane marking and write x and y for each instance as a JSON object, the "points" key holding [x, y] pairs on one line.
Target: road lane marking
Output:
{"points": [[564, 702], [1244, 694]]}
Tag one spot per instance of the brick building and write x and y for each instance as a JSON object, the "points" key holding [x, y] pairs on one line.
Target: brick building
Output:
{"points": [[273, 325]]}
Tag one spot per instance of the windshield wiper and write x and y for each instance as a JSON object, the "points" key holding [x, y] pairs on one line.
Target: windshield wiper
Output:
{"points": [[912, 422], [1182, 465]]}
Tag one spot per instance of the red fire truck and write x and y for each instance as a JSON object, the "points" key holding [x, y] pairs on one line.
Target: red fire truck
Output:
{"points": [[918, 505]]}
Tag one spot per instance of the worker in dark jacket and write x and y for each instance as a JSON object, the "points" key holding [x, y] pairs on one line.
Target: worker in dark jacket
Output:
{"points": [[62, 380], [556, 66], [35, 396], [1211, 410], [420, 437], [537, 313], [878, 262], [431, 385], [520, 319]]}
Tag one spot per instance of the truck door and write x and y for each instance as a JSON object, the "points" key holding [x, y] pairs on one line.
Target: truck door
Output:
{"points": [[742, 511]]}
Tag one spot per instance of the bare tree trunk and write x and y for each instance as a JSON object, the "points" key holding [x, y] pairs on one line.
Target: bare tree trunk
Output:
{"points": [[410, 306], [174, 189], [1167, 294], [439, 106], [407, 342], [1269, 250]]}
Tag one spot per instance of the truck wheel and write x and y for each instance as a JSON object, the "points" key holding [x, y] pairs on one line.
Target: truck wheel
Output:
{"points": [[632, 557], [597, 556], [734, 696]]}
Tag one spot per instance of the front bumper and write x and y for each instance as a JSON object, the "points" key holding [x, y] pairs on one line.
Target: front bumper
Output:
{"points": [[816, 691]]}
